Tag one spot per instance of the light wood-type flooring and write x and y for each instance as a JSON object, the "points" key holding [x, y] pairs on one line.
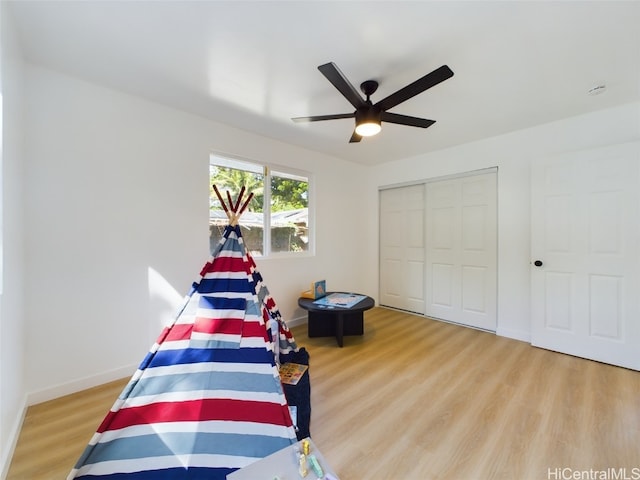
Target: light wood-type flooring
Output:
{"points": [[418, 399]]}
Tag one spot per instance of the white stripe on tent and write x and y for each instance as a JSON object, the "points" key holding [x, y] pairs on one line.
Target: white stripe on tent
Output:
{"points": [[225, 275], [207, 367], [230, 252], [245, 342], [226, 294], [210, 426], [229, 338], [221, 313], [254, 342], [177, 397], [206, 313]]}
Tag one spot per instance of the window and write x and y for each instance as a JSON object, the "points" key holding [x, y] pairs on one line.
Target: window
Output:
{"points": [[276, 221]]}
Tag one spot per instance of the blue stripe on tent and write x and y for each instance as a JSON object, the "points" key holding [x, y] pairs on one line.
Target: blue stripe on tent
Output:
{"points": [[190, 473], [196, 343], [196, 381], [253, 309], [232, 246], [146, 361], [224, 285], [222, 303], [184, 443], [257, 278], [261, 293], [225, 235], [164, 358], [231, 249]]}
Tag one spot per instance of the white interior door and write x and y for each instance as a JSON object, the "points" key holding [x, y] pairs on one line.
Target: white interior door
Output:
{"points": [[402, 248], [586, 241], [461, 267]]}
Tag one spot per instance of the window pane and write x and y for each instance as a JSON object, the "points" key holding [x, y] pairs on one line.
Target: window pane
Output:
{"points": [[280, 203], [289, 213], [251, 221]]}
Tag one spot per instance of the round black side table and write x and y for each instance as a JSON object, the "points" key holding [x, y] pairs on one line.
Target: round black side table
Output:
{"points": [[333, 320]]}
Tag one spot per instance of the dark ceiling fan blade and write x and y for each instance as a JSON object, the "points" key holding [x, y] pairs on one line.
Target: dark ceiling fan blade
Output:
{"points": [[413, 89], [406, 120], [337, 78], [355, 138], [318, 118]]}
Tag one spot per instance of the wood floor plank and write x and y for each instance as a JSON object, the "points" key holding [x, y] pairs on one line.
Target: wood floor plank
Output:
{"points": [[415, 398]]}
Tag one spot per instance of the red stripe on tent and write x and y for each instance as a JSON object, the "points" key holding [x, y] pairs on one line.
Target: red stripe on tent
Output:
{"points": [[224, 264], [198, 410], [205, 269], [270, 303], [253, 330], [179, 332], [232, 326], [174, 333], [228, 264], [162, 336], [287, 334]]}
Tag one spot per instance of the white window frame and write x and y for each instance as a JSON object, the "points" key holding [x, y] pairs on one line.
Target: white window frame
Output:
{"points": [[267, 170]]}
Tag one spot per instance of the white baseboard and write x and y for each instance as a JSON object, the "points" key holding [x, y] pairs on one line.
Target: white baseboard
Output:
{"points": [[296, 321], [7, 455], [515, 334], [80, 384]]}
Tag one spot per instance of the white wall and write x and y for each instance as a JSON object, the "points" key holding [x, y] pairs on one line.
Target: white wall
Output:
{"points": [[12, 388], [513, 154], [116, 220]]}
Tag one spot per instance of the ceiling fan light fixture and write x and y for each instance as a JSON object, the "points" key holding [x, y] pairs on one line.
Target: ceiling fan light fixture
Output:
{"points": [[368, 128], [368, 122]]}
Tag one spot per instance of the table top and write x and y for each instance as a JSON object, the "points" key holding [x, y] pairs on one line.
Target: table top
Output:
{"points": [[365, 304], [283, 465]]}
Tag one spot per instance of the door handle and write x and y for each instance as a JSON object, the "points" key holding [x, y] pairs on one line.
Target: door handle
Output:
{"points": [[538, 263]]}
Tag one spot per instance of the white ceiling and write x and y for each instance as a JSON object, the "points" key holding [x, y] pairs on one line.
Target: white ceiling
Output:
{"points": [[253, 65]]}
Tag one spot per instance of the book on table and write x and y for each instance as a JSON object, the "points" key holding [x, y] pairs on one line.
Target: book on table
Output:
{"points": [[318, 290]]}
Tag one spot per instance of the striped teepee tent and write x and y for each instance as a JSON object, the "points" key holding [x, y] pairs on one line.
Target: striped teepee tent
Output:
{"points": [[207, 399]]}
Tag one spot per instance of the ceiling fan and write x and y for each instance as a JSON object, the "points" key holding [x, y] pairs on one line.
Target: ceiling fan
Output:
{"points": [[369, 115]]}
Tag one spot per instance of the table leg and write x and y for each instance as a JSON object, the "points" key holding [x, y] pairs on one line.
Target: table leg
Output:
{"points": [[340, 329]]}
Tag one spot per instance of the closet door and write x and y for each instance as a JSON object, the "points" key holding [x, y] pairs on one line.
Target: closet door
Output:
{"points": [[461, 250], [402, 248], [585, 270]]}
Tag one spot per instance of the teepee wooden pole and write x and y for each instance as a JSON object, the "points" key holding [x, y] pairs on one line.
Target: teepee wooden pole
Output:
{"points": [[230, 202], [239, 199], [245, 204], [224, 206]]}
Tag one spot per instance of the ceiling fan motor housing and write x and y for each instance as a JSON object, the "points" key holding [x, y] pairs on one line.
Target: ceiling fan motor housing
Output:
{"points": [[368, 114]]}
